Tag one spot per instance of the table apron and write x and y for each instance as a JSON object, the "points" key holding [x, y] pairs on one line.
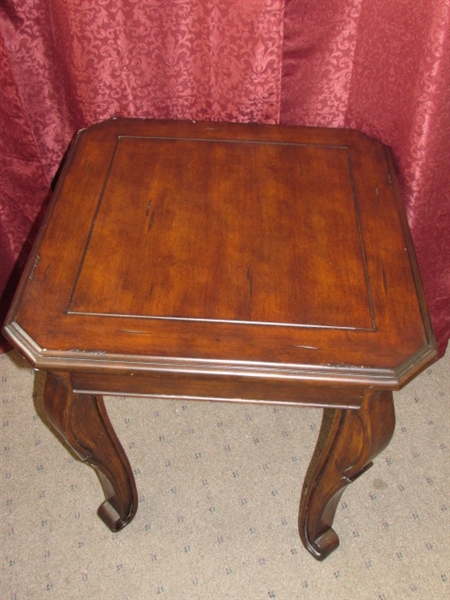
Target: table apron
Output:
{"points": [[220, 388]]}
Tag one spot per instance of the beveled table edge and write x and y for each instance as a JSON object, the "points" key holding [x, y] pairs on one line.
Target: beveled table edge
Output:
{"points": [[338, 374]]}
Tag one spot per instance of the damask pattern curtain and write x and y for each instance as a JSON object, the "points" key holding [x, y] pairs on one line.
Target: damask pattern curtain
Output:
{"points": [[380, 67]]}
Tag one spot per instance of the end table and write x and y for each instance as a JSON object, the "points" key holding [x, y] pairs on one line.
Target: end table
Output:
{"points": [[225, 262]]}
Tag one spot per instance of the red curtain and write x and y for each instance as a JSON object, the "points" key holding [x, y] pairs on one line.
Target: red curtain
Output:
{"points": [[381, 67]]}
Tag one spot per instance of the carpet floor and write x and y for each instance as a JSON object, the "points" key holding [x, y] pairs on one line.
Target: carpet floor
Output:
{"points": [[219, 486]]}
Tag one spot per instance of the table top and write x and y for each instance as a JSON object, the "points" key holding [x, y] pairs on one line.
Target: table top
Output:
{"points": [[226, 248]]}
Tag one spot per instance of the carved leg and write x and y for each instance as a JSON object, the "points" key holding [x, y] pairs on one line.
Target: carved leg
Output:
{"points": [[83, 422], [349, 439]]}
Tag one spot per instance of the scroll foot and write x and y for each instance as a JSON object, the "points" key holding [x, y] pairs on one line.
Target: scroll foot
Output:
{"points": [[348, 441], [83, 422]]}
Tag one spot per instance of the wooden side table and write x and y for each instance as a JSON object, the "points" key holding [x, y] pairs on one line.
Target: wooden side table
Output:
{"points": [[245, 263]]}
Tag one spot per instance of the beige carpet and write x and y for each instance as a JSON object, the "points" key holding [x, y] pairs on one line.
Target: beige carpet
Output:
{"points": [[219, 486]]}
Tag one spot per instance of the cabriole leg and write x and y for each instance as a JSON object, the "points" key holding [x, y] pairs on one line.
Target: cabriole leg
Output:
{"points": [[348, 441], [84, 424]]}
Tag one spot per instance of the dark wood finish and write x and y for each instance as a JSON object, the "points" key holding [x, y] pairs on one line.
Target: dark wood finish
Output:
{"points": [[348, 441], [228, 262], [83, 422]]}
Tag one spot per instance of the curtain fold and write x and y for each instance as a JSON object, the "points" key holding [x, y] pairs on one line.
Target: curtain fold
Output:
{"points": [[24, 185], [380, 67]]}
